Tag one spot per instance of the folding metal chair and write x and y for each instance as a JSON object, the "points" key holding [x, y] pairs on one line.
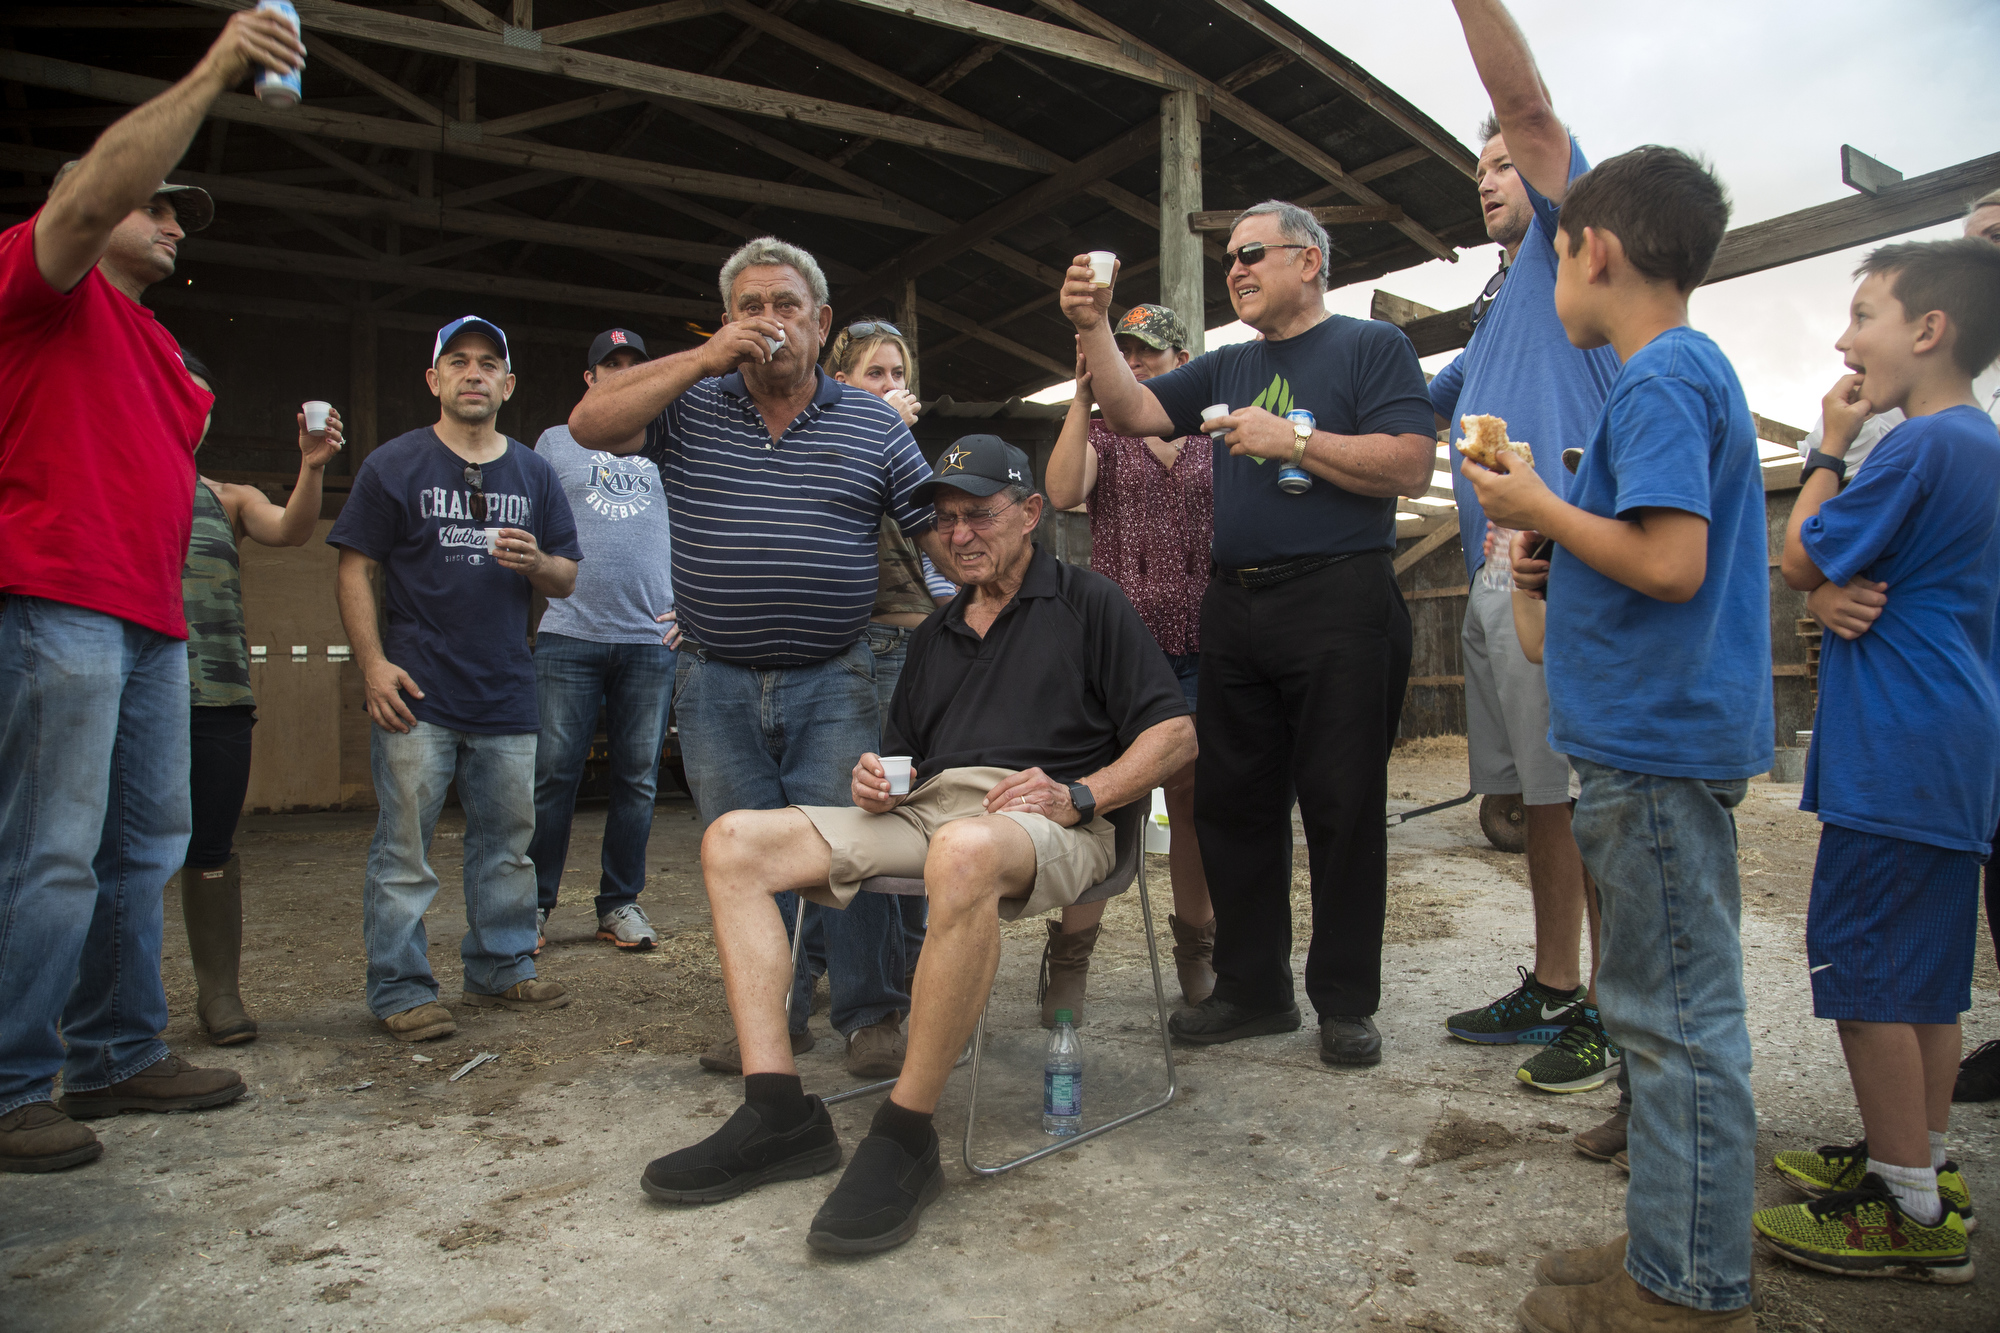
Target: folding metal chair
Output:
{"points": [[1128, 867]]}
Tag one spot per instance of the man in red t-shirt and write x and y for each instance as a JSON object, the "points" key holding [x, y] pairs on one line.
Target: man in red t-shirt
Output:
{"points": [[98, 425]]}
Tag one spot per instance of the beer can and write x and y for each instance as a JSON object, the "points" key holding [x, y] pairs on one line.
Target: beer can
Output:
{"points": [[1296, 480], [280, 90]]}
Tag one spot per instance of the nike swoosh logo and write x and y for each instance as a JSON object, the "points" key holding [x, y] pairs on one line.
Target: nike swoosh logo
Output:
{"points": [[1550, 1015]]}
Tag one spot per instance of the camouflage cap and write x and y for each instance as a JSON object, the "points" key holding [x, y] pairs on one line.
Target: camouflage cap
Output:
{"points": [[1154, 325]]}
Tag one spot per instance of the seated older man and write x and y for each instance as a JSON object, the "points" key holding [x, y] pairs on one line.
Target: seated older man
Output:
{"points": [[1032, 704]]}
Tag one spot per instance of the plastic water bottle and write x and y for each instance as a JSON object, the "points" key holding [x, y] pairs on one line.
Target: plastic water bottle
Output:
{"points": [[281, 90], [1062, 1079], [1498, 571]]}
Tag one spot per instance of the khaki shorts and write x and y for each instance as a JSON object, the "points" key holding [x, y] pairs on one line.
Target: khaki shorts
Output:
{"points": [[1067, 860]]}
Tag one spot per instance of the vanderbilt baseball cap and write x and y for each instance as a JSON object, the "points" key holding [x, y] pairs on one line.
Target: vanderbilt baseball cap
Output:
{"points": [[977, 465], [612, 340], [194, 207], [471, 324], [1154, 325]]}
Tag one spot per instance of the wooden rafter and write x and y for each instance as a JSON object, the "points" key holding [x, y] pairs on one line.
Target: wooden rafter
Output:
{"points": [[491, 48], [630, 20], [45, 72], [1222, 220]]}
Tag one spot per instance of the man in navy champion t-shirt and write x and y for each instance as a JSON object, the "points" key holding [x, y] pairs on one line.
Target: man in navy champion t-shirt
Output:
{"points": [[465, 524]]}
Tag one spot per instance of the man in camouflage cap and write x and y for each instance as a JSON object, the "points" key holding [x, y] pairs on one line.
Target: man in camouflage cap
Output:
{"points": [[1157, 327]]}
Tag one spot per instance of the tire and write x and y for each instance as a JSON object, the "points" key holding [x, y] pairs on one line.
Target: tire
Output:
{"points": [[1504, 820]]}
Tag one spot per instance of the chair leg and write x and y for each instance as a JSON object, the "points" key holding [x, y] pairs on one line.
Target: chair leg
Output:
{"points": [[798, 951], [1166, 1048]]}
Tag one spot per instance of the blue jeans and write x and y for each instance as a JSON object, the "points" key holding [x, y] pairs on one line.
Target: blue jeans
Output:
{"points": [[94, 817], [496, 789], [634, 682], [1670, 987], [891, 646], [763, 739]]}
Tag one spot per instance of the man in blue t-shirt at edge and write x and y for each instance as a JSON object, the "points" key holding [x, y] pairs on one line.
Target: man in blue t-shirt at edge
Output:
{"points": [[1519, 366], [1658, 654], [464, 524], [604, 645], [1305, 641]]}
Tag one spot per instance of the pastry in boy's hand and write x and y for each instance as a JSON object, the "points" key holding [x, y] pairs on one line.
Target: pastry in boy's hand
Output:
{"points": [[1485, 437]]}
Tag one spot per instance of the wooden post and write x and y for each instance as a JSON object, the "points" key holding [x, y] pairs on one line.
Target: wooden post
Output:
{"points": [[359, 416], [906, 320], [468, 91], [1180, 195]]}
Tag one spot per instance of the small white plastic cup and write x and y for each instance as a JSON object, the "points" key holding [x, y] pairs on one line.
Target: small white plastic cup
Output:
{"points": [[492, 539], [316, 413], [1102, 262], [775, 343], [897, 768], [1211, 413]]}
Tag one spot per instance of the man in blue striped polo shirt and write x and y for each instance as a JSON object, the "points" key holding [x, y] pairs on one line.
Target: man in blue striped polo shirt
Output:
{"points": [[777, 477]]}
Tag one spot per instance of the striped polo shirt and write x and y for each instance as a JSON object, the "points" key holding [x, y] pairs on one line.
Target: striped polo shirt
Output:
{"points": [[774, 543]]}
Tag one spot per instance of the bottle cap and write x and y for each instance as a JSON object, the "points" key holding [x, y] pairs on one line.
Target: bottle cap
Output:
{"points": [[1065, 1016]]}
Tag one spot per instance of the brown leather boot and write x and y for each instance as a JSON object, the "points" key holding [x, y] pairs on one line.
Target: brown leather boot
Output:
{"points": [[168, 1084], [1603, 1142], [1194, 959], [1065, 971], [37, 1137], [1580, 1268], [1617, 1304], [212, 907]]}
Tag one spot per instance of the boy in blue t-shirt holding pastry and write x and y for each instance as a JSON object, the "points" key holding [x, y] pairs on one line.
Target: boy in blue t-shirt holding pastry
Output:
{"points": [[1657, 655], [1901, 770]]}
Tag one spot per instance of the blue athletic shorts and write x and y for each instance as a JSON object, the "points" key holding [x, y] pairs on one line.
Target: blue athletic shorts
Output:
{"points": [[1891, 929]]}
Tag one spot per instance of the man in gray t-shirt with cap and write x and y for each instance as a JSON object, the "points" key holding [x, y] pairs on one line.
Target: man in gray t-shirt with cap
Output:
{"points": [[604, 643]]}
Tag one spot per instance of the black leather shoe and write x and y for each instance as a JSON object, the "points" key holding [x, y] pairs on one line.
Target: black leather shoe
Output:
{"points": [[1349, 1041], [879, 1199], [1217, 1020], [742, 1155]]}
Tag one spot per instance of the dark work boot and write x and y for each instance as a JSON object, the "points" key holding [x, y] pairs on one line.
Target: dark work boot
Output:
{"points": [[212, 907], [1065, 972]]}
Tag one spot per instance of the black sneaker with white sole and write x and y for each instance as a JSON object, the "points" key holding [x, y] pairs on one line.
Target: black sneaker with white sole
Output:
{"points": [[742, 1155], [879, 1199]]}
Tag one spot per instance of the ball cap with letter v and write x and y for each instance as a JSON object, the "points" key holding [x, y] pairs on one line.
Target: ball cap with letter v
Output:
{"points": [[977, 465], [471, 324]]}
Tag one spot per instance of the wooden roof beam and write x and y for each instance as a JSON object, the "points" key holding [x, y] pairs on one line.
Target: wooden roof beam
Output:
{"points": [[973, 329], [1223, 220], [45, 72], [631, 20], [534, 57]]}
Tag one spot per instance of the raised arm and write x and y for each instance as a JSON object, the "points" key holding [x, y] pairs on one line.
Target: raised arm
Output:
{"points": [[1128, 406], [1072, 470], [1536, 139], [266, 523], [615, 412], [125, 166]]}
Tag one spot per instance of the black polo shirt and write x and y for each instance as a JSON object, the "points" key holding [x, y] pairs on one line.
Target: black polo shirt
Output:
{"points": [[1066, 678]]}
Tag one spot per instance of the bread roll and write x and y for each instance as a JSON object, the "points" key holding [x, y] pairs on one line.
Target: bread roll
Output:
{"points": [[1485, 437]]}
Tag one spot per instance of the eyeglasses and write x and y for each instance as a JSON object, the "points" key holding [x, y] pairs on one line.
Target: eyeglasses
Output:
{"points": [[1252, 253], [475, 479], [978, 520], [869, 328], [1485, 298]]}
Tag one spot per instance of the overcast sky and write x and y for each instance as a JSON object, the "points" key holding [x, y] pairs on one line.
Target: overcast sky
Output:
{"points": [[1767, 90]]}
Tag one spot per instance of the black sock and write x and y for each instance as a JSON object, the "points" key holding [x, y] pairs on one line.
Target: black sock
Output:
{"points": [[779, 1099], [910, 1129], [1552, 992]]}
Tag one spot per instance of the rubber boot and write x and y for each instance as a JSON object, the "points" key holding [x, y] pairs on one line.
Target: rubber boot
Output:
{"points": [[212, 906], [1194, 957], [1065, 970]]}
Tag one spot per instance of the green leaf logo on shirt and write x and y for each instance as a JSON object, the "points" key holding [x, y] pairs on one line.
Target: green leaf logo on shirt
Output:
{"points": [[1277, 400]]}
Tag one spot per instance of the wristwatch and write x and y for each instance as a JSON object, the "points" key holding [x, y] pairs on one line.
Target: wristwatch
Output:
{"points": [[1085, 803], [1817, 460], [1304, 434]]}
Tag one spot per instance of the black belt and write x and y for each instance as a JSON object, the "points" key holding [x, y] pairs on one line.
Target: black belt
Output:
{"points": [[1270, 576]]}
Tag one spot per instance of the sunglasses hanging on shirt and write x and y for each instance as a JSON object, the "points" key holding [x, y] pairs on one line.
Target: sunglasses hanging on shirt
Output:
{"points": [[476, 480], [1484, 300]]}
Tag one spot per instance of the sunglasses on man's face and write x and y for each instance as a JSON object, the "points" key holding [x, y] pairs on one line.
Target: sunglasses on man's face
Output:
{"points": [[869, 328], [1252, 253], [475, 479]]}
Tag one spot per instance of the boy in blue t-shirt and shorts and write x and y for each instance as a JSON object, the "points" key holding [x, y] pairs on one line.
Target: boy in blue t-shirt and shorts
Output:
{"points": [[1658, 660], [1901, 769]]}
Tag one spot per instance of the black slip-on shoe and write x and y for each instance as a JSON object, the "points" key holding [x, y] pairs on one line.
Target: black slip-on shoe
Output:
{"points": [[879, 1198], [743, 1155], [1349, 1041], [1217, 1020]]}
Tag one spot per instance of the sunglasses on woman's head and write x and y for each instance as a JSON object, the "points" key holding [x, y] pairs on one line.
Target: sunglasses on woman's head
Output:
{"points": [[869, 328], [475, 479], [1252, 253]]}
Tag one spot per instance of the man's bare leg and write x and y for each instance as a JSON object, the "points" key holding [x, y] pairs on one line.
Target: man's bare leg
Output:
{"points": [[747, 858], [973, 863], [1555, 881]]}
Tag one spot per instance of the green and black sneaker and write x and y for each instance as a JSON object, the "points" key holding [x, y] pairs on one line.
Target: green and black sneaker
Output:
{"points": [[1531, 1012], [1581, 1058], [1833, 1167], [1865, 1233]]}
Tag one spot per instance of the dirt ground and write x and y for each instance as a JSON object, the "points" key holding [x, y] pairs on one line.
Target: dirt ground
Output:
{"points": [[358, 1187]]}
